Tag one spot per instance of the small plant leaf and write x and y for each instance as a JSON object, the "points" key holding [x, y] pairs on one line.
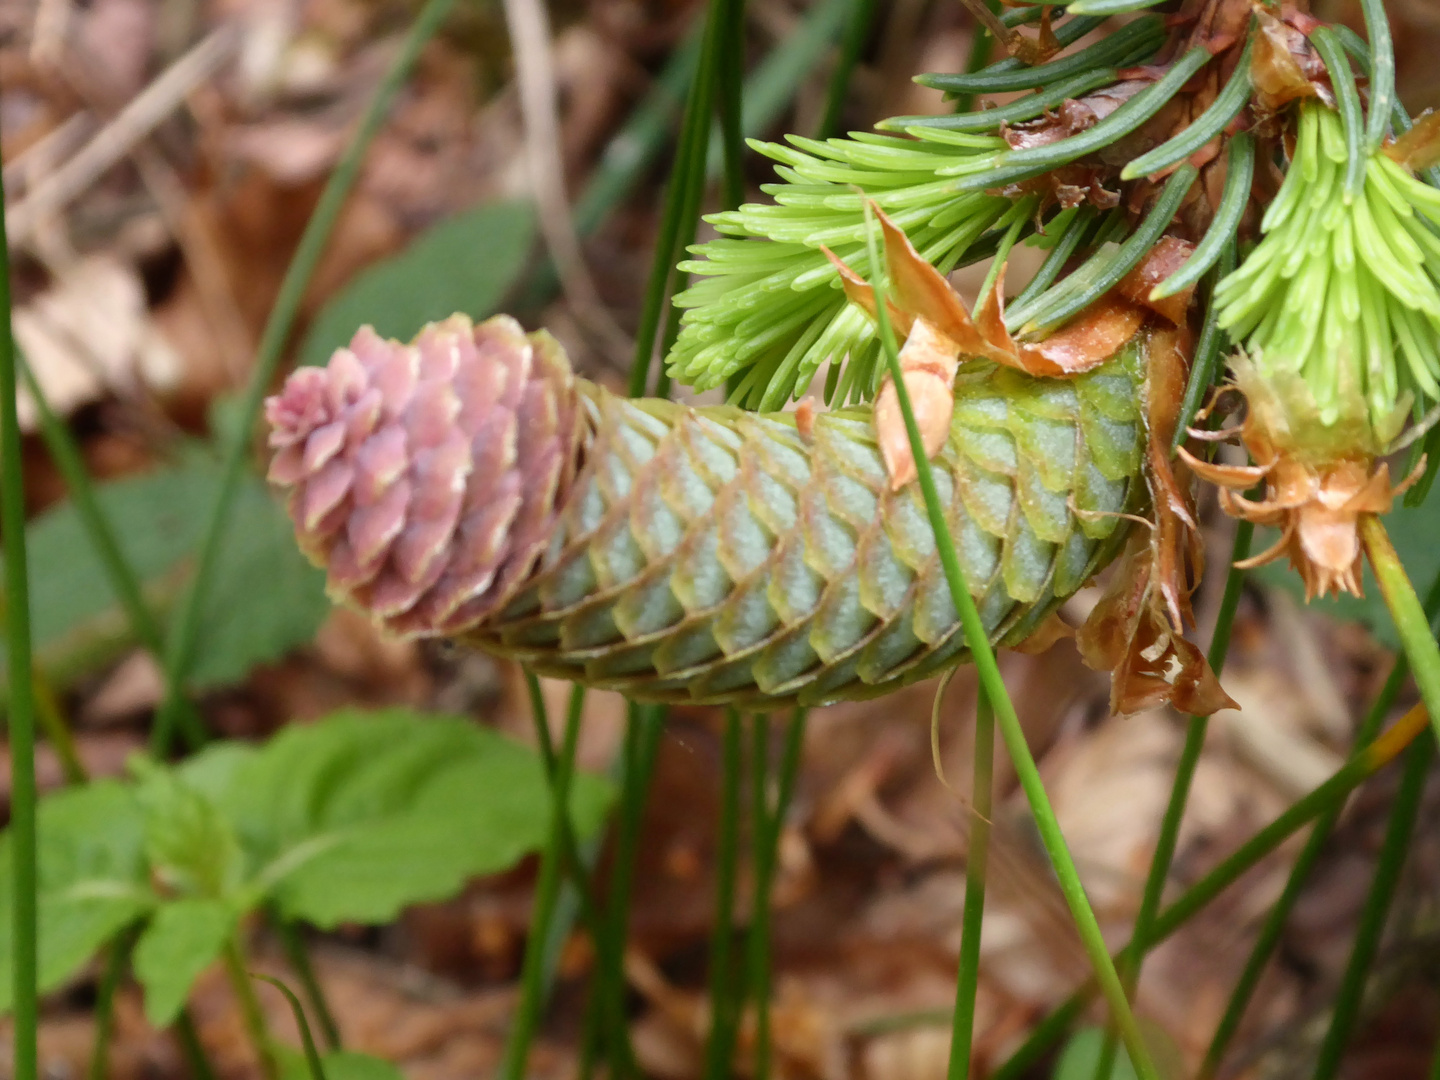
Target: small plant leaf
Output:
{"points": [[466, 263], [358, 816], [191, 848], [78, 624], [1080, 1060], [182, 939], [338, 1065], [93, 880]]}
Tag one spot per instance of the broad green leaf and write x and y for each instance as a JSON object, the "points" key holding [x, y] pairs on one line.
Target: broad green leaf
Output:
{"points": [[183, 938], [1412, 530], [266, 598], [349, 1065], [466, 263], [92, 881], [358, 816], [190, 846], [1080, 1060], [338, 1065]]}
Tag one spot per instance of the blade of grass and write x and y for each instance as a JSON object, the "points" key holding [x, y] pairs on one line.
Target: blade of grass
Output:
{"points": [[643, 730], [962, 1025], [547, 892], [578, 888], [307, 1040], [729, 76], [683, 192], [857, 30], [757, 939], [1269, 935], [1403, 814], [120, 575], [982, 44], [184, 631], [117, 956], [1331, 794], [299, 958], [250, 1010], [1133, 958], [724, 1008], [22, 694], [768, 824], [1406, 612], [1010, 730], [192, 1048]]}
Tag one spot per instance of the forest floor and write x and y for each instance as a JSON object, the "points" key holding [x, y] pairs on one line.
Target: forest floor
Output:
{"points": [[143, 283]]}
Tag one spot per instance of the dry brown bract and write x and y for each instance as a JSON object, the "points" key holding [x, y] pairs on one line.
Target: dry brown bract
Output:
{"points": [[1136, 631], [937, 331], [1317, 508]]}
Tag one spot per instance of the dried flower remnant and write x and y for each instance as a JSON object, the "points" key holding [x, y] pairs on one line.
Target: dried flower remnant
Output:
{"points": [[1338, 313], [469, 486]]}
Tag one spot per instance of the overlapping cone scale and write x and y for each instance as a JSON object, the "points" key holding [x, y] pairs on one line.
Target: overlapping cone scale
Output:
{"points": [[692, 554], [425, 477]]}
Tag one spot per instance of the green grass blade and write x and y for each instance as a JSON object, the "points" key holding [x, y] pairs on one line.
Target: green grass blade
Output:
{"points": [[1010, 729], [1270, 931], [982, 45], [547, 893], [299, 959], [307, 1040], [1133, 958], [1329, 795], [117, 958], [729, 75], [1403, 814], [180, 643], [1411, 623], [120, 574], [644, 727], [192, 1048], [768, 824], [857, 29], [962, 1025], [22, 694], [724, 1018]]}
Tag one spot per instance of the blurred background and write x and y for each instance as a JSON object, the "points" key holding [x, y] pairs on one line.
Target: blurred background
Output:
{"points": [[161, 158]]}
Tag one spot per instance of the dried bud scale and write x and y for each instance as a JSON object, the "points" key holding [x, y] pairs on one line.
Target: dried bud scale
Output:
{"points": [[692, 554]]}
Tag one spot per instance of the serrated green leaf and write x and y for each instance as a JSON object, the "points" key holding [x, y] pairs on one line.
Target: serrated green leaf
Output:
{"points": [[358, 816], [190, 846], [93, 879], [183, 938], [265, 599], [1412, 530], [466, 263]]}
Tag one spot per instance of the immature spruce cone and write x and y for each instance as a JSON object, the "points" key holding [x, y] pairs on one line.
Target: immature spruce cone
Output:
{"points": [[692, 554], [426, 477]]}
